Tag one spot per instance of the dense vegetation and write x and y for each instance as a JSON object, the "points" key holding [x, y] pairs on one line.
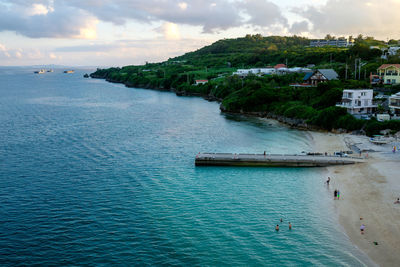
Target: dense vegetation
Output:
{"points": [[270, 94]]}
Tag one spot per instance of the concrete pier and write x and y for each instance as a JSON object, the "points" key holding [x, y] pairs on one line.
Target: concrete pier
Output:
{"points": [[272, 160]]}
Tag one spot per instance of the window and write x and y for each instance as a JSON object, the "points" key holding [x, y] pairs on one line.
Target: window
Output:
{"points": [[363, 93]]}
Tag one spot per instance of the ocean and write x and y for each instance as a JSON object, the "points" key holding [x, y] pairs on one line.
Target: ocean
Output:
{"points": [[94, 173]]}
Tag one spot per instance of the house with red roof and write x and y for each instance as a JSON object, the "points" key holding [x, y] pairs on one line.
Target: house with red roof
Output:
{"points": [[389, 73], [197, 82], [279, 66]]}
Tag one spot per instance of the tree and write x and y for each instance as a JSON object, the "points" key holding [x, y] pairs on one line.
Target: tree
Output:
{"points": [[329, 37]]}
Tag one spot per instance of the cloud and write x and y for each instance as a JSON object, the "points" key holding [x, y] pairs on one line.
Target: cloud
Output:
{"points": [[299, 27], [46, 19], [170, 31], [4, 52], [343, 17], [126, 52], [78, 19], [263, 13], [9, 56]]}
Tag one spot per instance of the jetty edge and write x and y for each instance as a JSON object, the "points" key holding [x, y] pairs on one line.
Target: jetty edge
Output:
{"points": [[272, 160]]}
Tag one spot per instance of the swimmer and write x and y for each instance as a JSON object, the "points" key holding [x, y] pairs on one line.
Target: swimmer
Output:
{"points": [[277, 227], [362, 228], [281, 220], [290, 226], [328, 181]]}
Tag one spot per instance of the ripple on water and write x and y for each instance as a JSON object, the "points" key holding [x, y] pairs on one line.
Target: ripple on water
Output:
{"points": [[98, 174]]}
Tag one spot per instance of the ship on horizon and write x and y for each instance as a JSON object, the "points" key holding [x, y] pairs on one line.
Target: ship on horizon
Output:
{"points": [[39, 71]]}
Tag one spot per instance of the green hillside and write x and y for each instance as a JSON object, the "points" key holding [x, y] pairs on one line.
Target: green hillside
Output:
{"points": [[267, 95]]}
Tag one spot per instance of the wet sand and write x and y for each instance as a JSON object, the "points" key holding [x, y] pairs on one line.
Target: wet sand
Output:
{"points": [[367, 193]]}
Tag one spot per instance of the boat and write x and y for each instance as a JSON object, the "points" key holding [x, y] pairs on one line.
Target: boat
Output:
{"points": [[379, 140], [69, 71], [50, 70], [39, 71]]}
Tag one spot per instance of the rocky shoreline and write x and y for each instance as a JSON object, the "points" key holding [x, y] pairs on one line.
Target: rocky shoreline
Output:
{"points": [[291, 122]]}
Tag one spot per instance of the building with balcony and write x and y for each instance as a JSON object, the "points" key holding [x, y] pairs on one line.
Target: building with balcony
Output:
{"points": [[394, 104], [358, 101], [389, 73], [334, 42]]}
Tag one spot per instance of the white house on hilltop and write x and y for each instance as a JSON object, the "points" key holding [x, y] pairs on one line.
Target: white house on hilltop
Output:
{"points": [[255, 71], [358, 101]]}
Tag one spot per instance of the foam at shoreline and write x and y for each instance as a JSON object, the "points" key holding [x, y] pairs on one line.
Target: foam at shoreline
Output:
{"points": [[368, 191]]}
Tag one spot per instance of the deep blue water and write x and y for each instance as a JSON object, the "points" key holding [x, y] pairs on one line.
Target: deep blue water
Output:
{"points": [[93, 173]]}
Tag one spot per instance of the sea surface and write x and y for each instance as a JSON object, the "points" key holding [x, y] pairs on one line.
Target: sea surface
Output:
{"points": [[94, 173]]}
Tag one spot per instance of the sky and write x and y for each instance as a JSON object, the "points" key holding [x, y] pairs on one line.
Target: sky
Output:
{"points": [[132, 32]]}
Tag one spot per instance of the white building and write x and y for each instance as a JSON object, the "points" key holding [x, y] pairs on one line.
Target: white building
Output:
{"points": [[255, 71], [394, 104], [198, 82], [334, 42], [392, 51], [268, 71], [358, 101]]}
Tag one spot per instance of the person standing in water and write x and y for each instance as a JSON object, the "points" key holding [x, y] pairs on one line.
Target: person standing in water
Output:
{"points": [[290, 226], [328, 181], [277, 227], [335, 194], [362, 228]]}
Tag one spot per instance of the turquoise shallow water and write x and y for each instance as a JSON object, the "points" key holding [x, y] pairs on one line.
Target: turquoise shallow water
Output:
{"points": [[93, 173]]}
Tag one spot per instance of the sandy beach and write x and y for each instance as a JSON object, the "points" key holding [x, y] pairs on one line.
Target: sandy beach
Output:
{"points": [[367, 194]]}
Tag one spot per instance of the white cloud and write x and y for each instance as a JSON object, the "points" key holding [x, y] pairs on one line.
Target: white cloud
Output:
{"points": [[46, 19], [171, 31], [183, 5], [39, 9], [350, 17]]}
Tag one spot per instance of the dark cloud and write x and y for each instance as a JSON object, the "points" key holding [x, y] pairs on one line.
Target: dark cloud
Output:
{"points": [[60, 21], [66, 18], [263, 13], [299, 27], [210, 14]]}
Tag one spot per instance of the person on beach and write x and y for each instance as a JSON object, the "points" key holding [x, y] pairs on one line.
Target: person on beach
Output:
{"points": [[397, 201], [335, 194], [338, 194], [277, 227], [328, 181], [290, 226], [362, 228]]}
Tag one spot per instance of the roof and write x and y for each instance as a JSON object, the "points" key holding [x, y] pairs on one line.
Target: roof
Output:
{"points": [[308, 76], [385, 66], [278, 66], [330, 74], [201, 80]]}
